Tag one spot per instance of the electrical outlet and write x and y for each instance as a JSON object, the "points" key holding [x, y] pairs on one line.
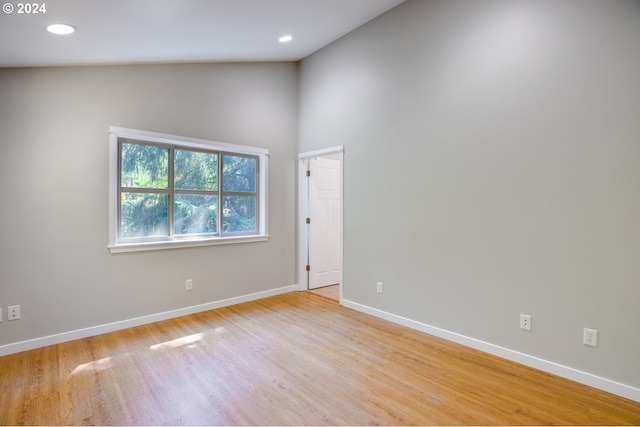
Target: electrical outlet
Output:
{"points": [[590, 337], [188, 284], [525, 322], [13, 312], [379, 287]]}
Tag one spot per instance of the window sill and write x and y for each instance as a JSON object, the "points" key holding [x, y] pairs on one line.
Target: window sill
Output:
{"points": [[175, 244]]}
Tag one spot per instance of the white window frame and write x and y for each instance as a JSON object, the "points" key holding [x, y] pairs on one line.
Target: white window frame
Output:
{"points": [[117, 245]]}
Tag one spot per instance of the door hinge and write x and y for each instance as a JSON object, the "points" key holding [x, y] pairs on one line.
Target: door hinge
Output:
{"points": [[309, 173], [308, 268], [308, 221]]}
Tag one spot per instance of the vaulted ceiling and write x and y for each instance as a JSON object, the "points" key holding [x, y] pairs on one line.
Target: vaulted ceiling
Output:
{"points": [[169, 31]]}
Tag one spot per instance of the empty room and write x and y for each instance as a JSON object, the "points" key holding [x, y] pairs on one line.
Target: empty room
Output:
{"points": [[320, 212]]}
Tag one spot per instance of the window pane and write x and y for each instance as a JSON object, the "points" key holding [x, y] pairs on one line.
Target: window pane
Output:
{"points": [[195, 170], [195, 213], [239, 214], [144, 215], [239, 173], [144, 166]]}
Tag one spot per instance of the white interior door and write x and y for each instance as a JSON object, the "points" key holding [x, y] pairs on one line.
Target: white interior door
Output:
{"points": [[324, 217]]}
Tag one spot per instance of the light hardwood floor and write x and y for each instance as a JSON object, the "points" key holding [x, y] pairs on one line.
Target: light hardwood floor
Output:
{"points": [[293, 359], [331, 292]]}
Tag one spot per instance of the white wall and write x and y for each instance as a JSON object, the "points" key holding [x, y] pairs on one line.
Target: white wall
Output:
{"points": [[54, 260], [492, 168]]}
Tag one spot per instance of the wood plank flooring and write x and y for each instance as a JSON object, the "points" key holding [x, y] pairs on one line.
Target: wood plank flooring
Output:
{"points": [[293, 359], [331, 291]]}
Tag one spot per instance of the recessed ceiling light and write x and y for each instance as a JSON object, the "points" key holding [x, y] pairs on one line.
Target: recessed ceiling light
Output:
{"points": [[286, 38], [61, 29]]}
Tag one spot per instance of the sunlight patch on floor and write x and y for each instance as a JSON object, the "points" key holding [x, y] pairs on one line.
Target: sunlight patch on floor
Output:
{"points": [[95, 366], [179, 342]]}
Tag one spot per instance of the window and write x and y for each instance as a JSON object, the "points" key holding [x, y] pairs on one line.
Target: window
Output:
{"points": [[169, 191]]}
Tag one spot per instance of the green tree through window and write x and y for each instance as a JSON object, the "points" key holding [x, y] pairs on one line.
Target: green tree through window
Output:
{"points": [[239, 185], [168, 191]]}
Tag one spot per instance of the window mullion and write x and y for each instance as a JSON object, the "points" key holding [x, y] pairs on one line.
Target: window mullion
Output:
{"points": [[197, 192], [119, 193], [241, 193], [144, 190], [171, 201], [219, 198]]}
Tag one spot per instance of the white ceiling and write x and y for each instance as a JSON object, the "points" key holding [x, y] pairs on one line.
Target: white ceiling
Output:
{"points": [[162, 31]]}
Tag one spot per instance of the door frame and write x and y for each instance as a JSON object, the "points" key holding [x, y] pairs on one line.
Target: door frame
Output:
{"points": [[301, 228]]}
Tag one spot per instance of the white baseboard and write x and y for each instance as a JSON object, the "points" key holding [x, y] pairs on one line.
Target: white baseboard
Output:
{"points": [[586, 378], [138, 321]]}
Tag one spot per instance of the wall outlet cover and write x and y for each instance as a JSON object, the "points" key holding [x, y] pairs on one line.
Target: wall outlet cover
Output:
{"points": [[13, 312], [525, 322], [590, 337]]}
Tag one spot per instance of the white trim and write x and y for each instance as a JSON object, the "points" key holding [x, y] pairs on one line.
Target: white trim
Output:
{"points": [[567, 372], [113, 188], [341, 226], [116, 246], [137, 321], [186, 243], [163, 138], [322, 152], [301, 225], [303, 159], [263, 202]]}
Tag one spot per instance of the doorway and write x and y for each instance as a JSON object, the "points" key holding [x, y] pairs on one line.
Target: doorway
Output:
{"points": [[320, 202]]}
